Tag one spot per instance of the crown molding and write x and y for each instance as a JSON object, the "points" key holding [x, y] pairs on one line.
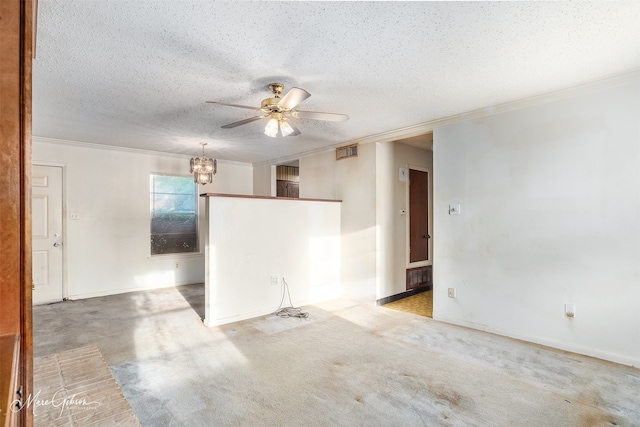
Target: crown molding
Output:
{"points": [[426, 127], [396, 134], [94, 146]]}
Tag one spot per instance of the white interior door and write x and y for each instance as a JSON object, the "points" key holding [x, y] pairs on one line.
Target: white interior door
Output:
{"points": [[46, 205]]}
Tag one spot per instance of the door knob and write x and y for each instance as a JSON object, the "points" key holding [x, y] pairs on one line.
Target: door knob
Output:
{"points": [[57, 244], [426, 236]]}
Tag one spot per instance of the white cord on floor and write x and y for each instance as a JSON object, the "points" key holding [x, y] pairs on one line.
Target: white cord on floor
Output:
{"points": [[290, 311]]}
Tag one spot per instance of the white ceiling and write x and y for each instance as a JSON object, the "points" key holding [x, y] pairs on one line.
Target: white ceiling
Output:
{"points": [[137, 73]]}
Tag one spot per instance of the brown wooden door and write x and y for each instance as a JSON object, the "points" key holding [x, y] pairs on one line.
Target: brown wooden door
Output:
{"points": [[418, 215]]}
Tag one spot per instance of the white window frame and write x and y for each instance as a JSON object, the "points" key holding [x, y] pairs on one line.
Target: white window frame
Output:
{"points": [[198, 251]]}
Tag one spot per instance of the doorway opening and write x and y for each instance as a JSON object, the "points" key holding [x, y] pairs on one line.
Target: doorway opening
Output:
{"points": [[419, 278], [288, 180]]}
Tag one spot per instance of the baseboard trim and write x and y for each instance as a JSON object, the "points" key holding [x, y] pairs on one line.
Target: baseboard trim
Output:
{"points": [[109, 292], [396, 297], [570, 347]]}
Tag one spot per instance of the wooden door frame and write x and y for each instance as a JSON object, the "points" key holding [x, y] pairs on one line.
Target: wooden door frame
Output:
{"points": [[15, 206], [408, 216]]}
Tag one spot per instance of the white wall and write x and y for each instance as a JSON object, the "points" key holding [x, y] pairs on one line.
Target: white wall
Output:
{"points": [[373, 233], [353, 181], [391, 198], [550, 199], [252, 239], [264, 180], [107, 249]]}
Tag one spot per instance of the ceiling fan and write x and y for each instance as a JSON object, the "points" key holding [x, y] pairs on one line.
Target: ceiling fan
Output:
{"points": [[280, 109]]}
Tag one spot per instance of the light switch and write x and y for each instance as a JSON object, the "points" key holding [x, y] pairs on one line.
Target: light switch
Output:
{"points": [[402, 174]]}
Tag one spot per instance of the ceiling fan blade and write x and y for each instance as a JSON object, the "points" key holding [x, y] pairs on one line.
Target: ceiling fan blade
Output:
{"points": [[296, 131], [234, 105], [315, 115], [294, 97], [243, 122]]}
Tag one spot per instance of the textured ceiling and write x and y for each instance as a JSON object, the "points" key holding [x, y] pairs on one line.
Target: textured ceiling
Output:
{"points": [[137, 73]]}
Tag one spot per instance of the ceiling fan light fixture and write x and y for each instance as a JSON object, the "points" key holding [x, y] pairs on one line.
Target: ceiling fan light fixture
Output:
{"points": [[203, 168], [285, 128], [271, 129], [279, 108]]}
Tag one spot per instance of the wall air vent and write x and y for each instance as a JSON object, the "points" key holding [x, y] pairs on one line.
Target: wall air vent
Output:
{"points": [[347, 151], [419, 277]]}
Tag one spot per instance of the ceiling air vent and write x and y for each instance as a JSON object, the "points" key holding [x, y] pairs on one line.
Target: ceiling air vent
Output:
{"points": [[347, 151]]}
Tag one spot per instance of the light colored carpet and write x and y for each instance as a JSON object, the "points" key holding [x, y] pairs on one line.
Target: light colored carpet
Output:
{"points": [[349, 364], [420, 304], [76, 388]]}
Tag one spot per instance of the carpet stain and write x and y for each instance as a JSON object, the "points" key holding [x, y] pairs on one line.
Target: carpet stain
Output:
{"points": [[592, 420], [445, 393], [592, 398], [358, 399]]}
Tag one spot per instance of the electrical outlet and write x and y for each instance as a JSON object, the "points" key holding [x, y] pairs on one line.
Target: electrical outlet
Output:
{"points": [[177, 264], [274, 280], [452, 292], [74, 215], [570, 310]]}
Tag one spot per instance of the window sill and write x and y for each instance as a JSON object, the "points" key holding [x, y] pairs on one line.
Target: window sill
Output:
{"points": [[160, 257]]}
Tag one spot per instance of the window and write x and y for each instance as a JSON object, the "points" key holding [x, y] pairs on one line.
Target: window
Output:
{"points": [[174, 214]]}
